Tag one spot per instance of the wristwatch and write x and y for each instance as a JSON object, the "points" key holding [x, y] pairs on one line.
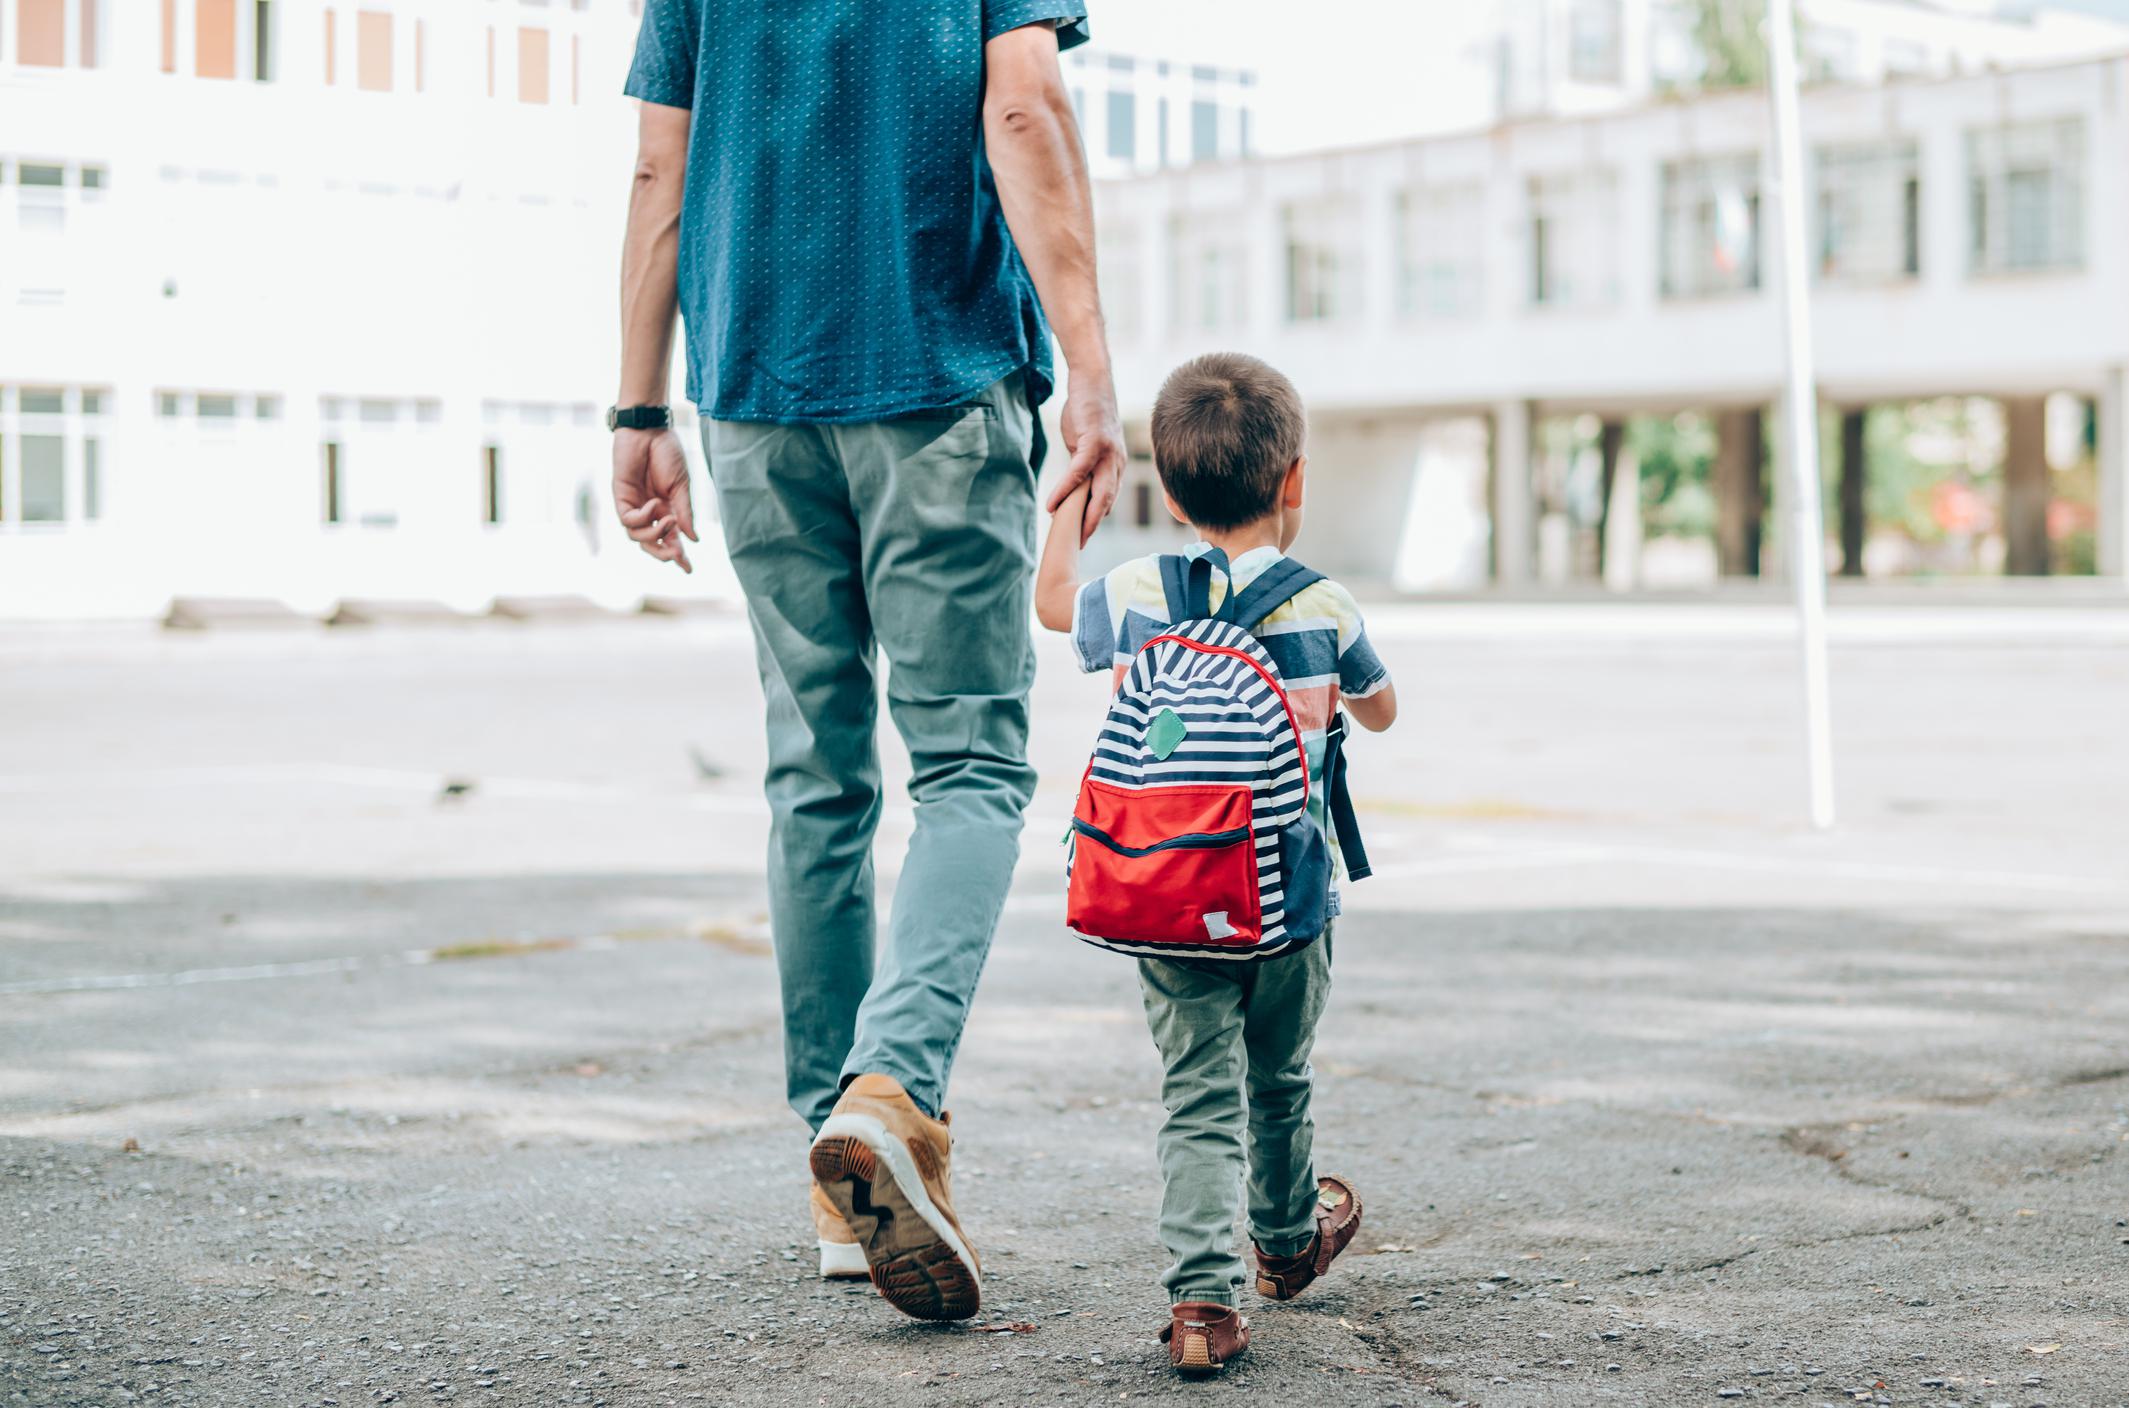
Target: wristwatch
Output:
{"points": [[638, 417]]}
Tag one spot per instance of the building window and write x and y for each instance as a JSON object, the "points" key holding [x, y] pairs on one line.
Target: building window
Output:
{"points": [[1321, 268], [1709, 236], [1441, 254], [373, 51], [262, 41], [1594, 41], [216, 406], [2026, 190], [491, 484], [44, 477], [1573, 228], [1142, 505], [1208, 283], [1869, 211], [92, 478], [1160, 133], [214, 38], [1123, 126], [531, 64], [1204, 130], [332, 487], [1117, 256], [266, 408]]}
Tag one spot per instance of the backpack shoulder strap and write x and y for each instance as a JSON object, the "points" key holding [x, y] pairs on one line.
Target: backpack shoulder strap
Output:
{"points": [[1275, 586], [1187, 584]]}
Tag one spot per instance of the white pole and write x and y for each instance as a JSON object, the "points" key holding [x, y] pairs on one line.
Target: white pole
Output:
{"points": [[1800, 409]]}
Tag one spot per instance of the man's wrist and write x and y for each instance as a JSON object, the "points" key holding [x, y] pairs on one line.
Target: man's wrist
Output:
{"points": [[639, 417]]}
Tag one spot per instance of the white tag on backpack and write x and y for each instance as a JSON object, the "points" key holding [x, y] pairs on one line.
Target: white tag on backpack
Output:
{"points": [[1216, 925]]}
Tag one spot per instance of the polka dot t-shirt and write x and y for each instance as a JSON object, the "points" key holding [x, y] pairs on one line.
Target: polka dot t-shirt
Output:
{"points": [[843, 256]]}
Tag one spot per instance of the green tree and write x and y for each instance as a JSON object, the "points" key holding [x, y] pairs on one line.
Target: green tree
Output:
{"points": [[1728, 34]]}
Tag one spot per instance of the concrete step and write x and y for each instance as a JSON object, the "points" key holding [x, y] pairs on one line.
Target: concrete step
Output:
{"points": [[199, 613], [360, 611], [549, 608]]}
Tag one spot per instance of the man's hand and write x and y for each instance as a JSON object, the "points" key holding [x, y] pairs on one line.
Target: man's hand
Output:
{"points": [[1094, 434], [651, 493]]}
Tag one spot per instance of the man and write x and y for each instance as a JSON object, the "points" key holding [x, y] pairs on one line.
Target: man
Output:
{"points": [[855, 208]]}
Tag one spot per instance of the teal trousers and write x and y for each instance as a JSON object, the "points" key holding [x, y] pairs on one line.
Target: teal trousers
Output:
{"points": [[1234, 1040], [912, 539]]}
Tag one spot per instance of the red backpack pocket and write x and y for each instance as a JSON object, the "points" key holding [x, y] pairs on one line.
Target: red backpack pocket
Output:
{"points": [[1166, 864]]}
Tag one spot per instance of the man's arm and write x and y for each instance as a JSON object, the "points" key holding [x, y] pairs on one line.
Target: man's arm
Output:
{"points": [[1032, 139], [650, 468]]}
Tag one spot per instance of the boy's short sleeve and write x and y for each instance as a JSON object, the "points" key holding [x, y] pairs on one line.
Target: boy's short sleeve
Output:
{"points": [[1360, 670], [1070, 17], [664, 68], [1094, 627]]}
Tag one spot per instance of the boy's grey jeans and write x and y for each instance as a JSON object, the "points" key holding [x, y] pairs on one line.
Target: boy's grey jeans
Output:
{"points": [[1234, 1040], [916, 536]]}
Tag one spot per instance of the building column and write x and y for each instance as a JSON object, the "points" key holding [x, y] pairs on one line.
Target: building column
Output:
{"points": [[1740, 489], [2025, 486], [1609, 438], [1514, 509], [2113, 412], [1855, 472]]}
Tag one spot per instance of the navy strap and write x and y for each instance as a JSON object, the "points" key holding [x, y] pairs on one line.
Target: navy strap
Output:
{"points": [[1275, 586], [1339, 796], [1187, 583]]}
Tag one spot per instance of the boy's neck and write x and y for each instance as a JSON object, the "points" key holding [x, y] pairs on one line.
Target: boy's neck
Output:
{"points": [[1264, 533]]}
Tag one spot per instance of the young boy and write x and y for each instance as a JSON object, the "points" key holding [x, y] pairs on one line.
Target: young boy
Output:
{"points": [[1227, 439]]}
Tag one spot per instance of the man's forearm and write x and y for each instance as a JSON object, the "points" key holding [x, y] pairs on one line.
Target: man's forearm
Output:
{"points": [[650, 258], [1041, 171]]}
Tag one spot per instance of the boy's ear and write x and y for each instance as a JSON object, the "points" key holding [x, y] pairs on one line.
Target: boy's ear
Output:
{"points": [[1296, 478], [1174, 511]]}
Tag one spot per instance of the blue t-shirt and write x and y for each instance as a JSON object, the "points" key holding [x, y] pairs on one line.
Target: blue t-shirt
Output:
{"points": [[843, 256]]}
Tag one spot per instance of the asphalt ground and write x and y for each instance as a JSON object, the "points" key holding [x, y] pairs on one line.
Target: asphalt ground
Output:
{"points": [[389, 1017]]}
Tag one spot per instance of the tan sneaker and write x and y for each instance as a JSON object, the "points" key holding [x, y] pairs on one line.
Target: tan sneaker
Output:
{"points": [[882, 1164], [841, 1256]]}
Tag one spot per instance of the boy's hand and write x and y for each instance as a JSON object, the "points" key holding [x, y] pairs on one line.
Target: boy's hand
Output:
{"points": [[651, 493]]}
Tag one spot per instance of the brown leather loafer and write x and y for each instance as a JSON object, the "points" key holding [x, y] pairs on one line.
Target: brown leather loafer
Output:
{"points": [[1337, 1221], [1201, 1336]]}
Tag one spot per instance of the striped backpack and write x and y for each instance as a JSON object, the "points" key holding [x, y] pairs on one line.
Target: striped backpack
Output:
{"points": [[1192, 836]]}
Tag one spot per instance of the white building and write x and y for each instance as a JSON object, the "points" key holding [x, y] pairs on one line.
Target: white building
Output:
{"points": [[1434, 296], [310, 302], [314, 301], [1143, 114]]}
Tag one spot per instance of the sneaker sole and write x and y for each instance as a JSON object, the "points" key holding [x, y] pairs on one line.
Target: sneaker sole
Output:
{"points": [[916, 1258], [843, 1261]]}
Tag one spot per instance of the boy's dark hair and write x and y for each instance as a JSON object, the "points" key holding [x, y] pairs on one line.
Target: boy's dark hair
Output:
{"points": [[1226, 427]]}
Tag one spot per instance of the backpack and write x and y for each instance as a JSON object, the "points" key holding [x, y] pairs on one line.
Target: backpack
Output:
{"points": [[1191, 836]]}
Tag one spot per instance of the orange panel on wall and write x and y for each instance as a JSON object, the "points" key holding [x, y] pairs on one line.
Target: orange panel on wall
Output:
{"points": [[373, 51], [531, 65], [214, 33], [41, 33]]}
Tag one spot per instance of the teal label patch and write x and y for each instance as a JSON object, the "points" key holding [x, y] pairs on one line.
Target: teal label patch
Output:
{"points": [[1165, 734]]}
